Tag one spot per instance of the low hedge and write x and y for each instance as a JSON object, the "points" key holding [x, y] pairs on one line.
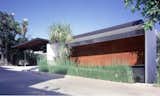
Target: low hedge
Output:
{"points": [[42, 64], [120, 73]]}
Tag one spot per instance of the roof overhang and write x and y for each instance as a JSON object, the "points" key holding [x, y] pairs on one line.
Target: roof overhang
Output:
{"points": [[34, 44], [126, 30], [131, 29]]}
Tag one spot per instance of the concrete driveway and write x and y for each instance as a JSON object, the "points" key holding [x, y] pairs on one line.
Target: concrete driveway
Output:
{"points": [[19, 82], [79, 86]]}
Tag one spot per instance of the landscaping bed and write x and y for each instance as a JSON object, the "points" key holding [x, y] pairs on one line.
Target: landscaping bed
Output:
{"points": [[120, 73]]}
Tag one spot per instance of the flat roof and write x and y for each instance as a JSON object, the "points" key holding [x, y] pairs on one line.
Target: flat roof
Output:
{"points": [[34, 44], [130, 29]]}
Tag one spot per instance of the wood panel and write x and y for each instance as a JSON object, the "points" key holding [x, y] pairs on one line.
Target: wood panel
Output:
{"points": [[128, 50]]}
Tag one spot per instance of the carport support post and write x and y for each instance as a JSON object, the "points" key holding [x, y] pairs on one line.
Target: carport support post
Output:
{"points": [[24, 58], [150, 57]]}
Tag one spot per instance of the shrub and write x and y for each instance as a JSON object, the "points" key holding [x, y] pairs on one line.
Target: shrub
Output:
{"points": [[42, 63], [120, 73]]}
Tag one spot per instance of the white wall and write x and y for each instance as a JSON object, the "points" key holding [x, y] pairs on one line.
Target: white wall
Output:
{"points": [[50, 52], [150, 57]]}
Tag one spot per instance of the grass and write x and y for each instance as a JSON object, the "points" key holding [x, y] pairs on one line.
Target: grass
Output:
{"points": [[120, 73], [42, 63]]}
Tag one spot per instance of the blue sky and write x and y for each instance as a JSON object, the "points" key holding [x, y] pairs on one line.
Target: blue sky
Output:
{"points": [[83, 15]]}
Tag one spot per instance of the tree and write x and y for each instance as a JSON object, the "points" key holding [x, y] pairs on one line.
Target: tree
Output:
{"points": [[60, 35], [9, 29], [150, 10], [24, 28]]}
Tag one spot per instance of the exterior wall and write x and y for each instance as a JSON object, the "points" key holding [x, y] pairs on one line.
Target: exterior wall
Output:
{"points": [[50, 52], [128, 50], [150, 57]]}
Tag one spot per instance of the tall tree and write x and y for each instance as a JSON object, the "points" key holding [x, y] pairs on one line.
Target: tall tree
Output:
{"points": [[24, 28], [150, 10], [60, 35], [9, 29]]}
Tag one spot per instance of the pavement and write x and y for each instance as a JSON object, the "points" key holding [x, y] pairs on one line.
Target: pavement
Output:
{"points": [[33, 82], [17, 82]]}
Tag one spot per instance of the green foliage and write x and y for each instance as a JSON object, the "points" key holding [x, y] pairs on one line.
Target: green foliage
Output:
{"points": [[42, 64], [24, 29], [60, 33], [64, 51], [8, 23], [150, 9], [120, 73], [10, 29]]}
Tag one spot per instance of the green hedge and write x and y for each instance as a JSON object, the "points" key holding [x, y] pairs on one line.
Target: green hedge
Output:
{"points": [[120, 73], [42, 64]]}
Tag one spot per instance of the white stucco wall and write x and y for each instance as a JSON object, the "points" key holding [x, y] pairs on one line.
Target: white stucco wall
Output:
{"points": [[50, 52], [150, 57]]}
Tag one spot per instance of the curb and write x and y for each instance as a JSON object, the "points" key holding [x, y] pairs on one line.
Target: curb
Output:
{"points": [[47, 74], [60, 76]]}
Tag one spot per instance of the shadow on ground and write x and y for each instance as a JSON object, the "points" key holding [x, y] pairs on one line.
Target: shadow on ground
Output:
{"points": [[18, 82]]}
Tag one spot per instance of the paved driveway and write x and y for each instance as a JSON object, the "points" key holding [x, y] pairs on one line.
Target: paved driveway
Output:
{"points": [[18, 83], [79, 86]]}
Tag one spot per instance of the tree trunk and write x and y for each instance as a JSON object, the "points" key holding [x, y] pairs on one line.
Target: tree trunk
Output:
{"points": [[6, 54]]}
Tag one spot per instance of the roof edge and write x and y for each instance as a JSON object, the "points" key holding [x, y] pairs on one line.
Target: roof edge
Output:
{"points": [[128, 24]]}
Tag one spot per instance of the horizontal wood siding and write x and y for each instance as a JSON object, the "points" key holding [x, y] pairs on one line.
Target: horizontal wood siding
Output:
{"points": [[128, 50]]}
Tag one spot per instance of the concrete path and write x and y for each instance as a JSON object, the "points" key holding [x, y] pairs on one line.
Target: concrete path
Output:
{"points": [[37, 83], [79, 86], [19, 82]]}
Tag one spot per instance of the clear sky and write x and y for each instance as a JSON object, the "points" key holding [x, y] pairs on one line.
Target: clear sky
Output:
{"points": [[82, 15]]}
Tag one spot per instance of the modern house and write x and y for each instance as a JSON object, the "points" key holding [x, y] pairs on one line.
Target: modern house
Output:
{"points": [[127, 43]]}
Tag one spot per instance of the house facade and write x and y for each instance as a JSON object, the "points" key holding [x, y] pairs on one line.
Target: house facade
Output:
{"points": [[127, 43]]}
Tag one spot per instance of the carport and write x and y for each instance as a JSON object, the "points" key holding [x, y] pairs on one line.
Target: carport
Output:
{"points": [[34, 45]]}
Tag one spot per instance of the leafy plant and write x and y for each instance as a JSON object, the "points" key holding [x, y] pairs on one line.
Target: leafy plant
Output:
{"points": [[120, 73], [64, 51], [60, 33], [150, 10], [42, 64], [10, 30]]}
